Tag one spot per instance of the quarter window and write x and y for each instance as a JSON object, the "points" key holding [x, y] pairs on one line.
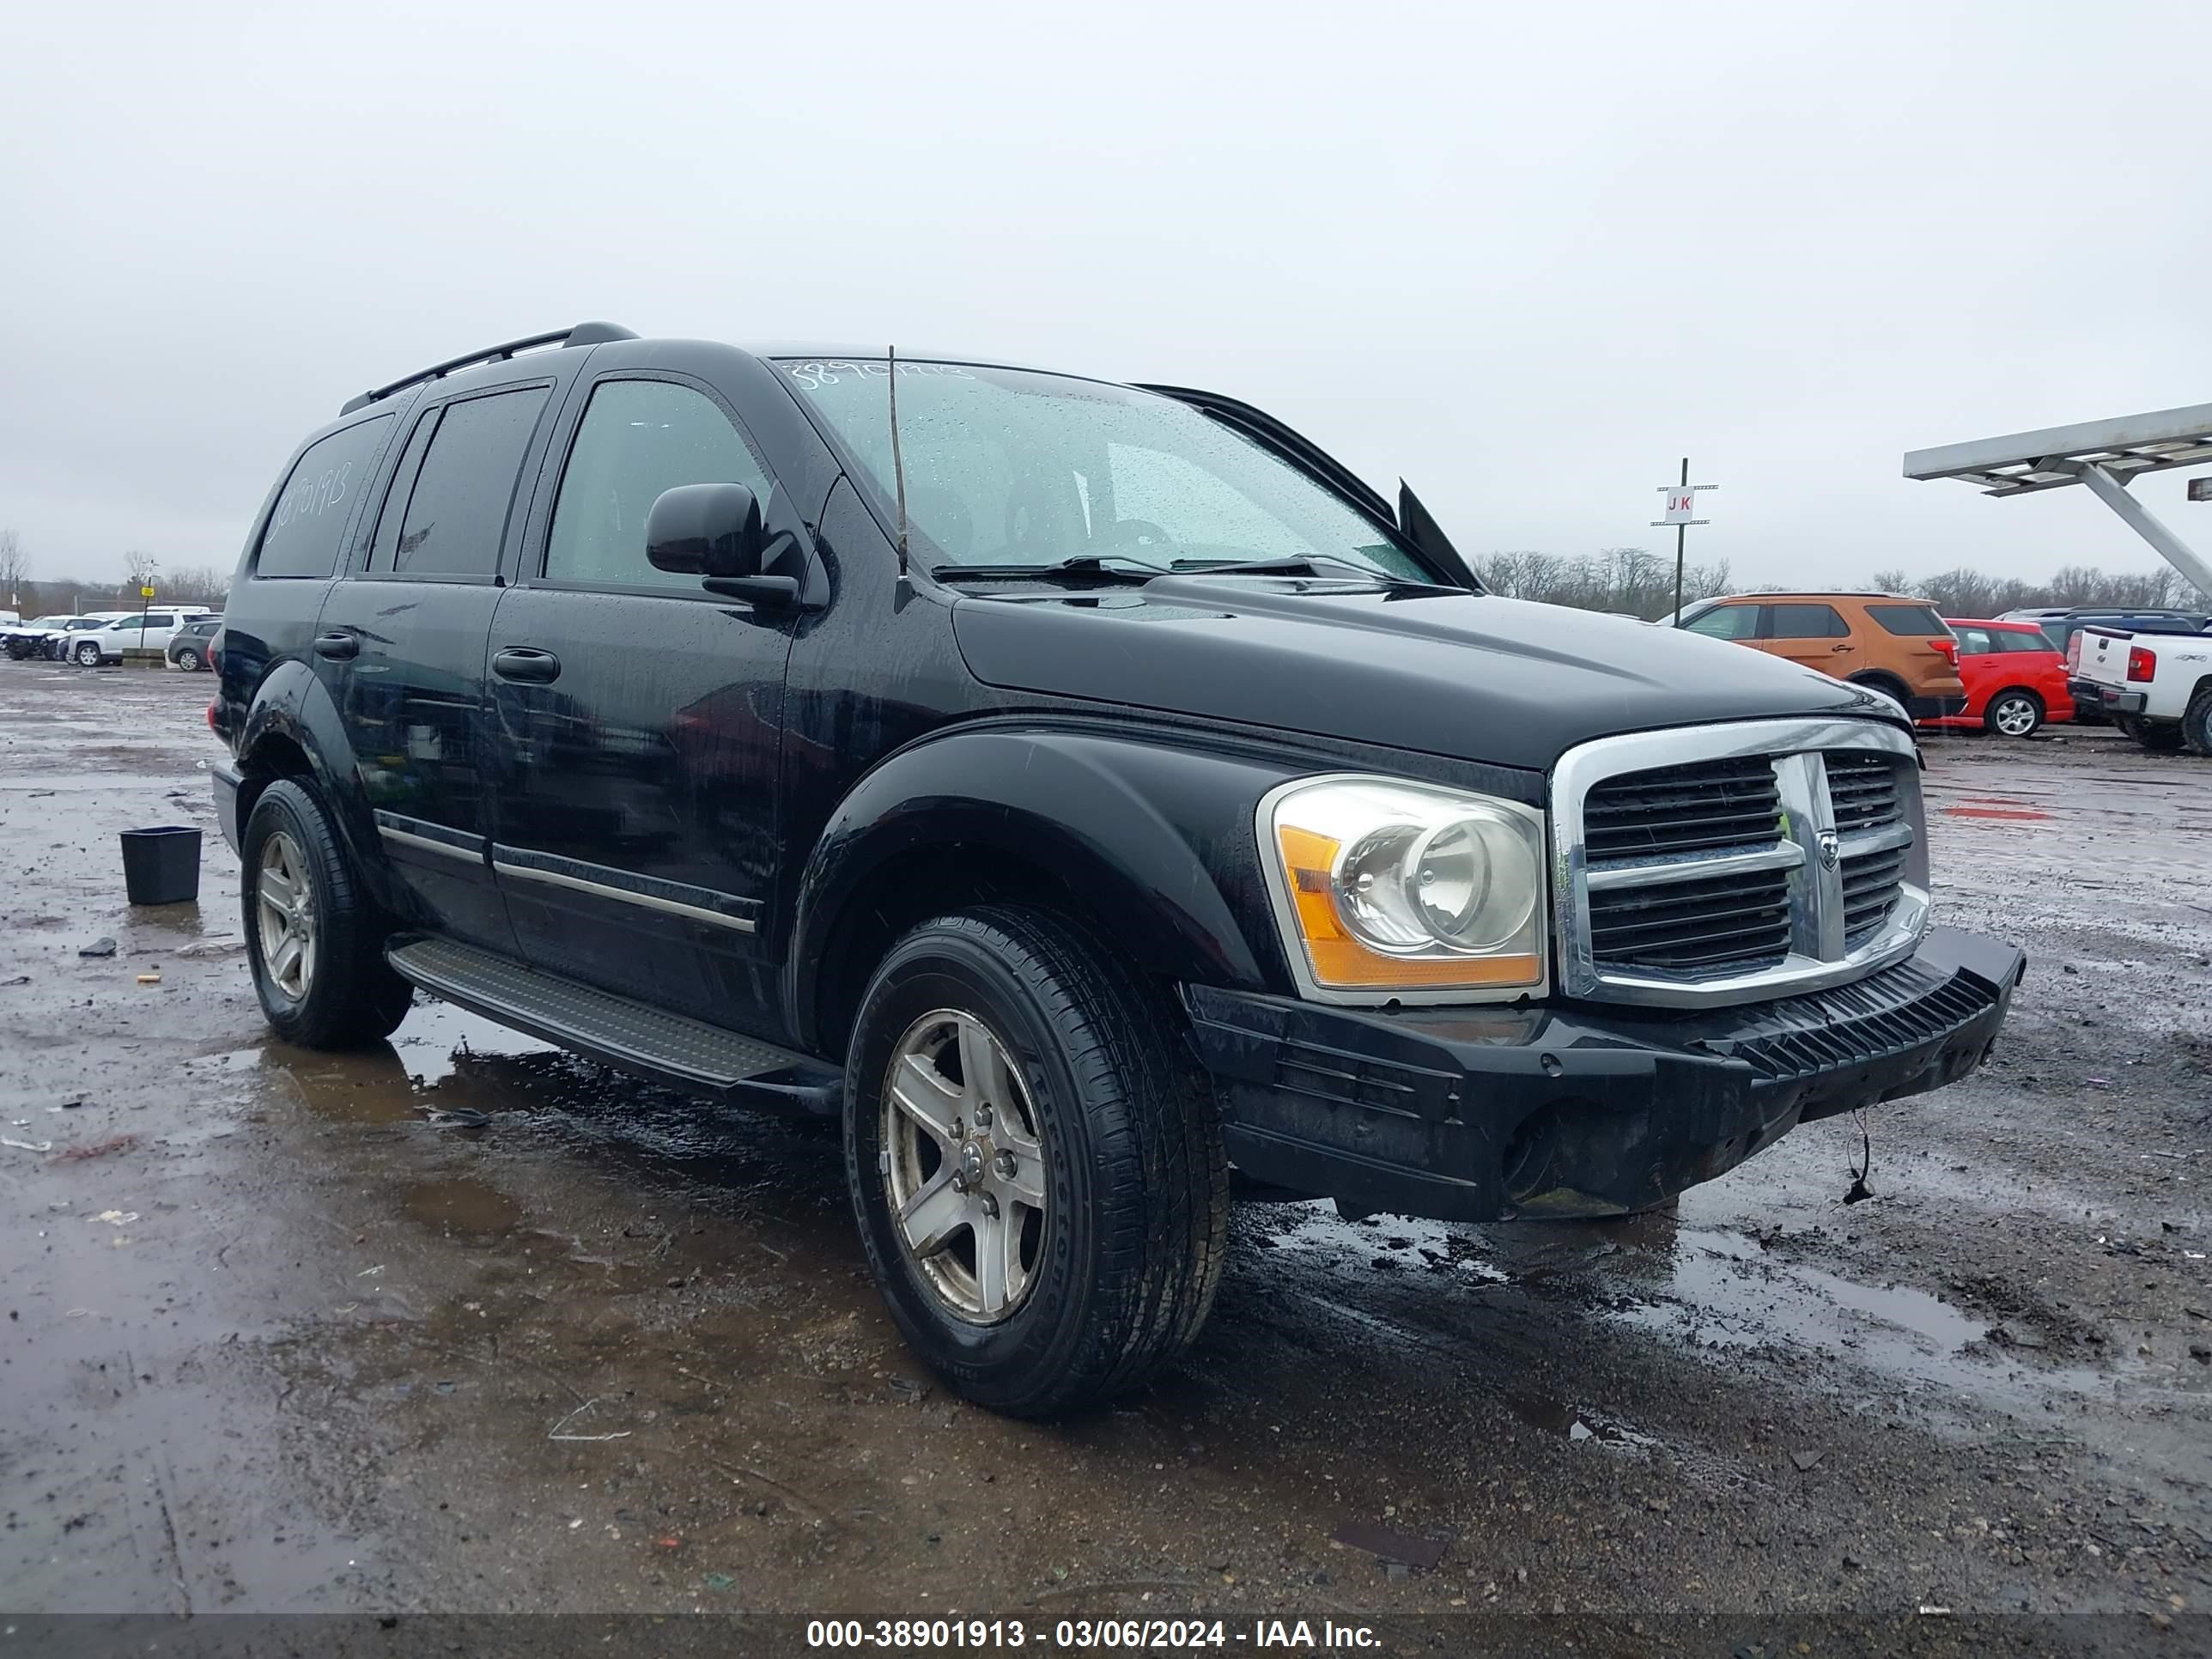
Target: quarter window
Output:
{"points": [[1908, 621], [318, 498], [455, 517], [638, 438]]}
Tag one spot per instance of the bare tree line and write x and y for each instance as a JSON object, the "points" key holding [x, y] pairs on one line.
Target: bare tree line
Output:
{"points": [[1633, 580], [1963, 592], [1639, 582], [187, 584]]}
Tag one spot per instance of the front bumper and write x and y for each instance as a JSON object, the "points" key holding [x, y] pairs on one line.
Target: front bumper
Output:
{"points": [[2106, 699], [1489, 1114]]}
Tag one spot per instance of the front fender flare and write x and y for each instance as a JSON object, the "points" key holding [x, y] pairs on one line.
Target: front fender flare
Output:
{"points": [[1156, 841]]}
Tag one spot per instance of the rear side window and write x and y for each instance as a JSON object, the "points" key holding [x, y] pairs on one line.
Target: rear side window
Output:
{"points": [[1979, 642], [1726, 621], [303, 533], [638, 438], [2017, 639], [1908, 621], [1805, 621], [455, 514]]}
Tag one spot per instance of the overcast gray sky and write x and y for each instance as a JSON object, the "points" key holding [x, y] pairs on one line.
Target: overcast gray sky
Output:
{"points": [[1526, 257]]}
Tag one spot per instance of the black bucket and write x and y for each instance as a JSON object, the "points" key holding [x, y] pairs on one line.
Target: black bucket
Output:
{"points": [[161, 866]]}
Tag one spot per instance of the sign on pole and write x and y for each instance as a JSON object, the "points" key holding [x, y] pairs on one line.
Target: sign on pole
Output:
{"points": [[1681, 509], [146, 593]]}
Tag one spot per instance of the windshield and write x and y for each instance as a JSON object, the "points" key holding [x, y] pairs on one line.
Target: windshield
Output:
{"points": [[1009, 467]]}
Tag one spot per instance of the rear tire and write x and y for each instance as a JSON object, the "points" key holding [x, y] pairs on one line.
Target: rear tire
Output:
{"points": [[2158, 737], [1131, 1182], [2013, 713], [2196, 723], [313, 938], [1884, 684], [189, 660]]}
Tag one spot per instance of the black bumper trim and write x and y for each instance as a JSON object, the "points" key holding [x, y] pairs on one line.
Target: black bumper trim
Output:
{"points": [[1482, 1114], [226, 778], [2109, 699], [1929, 708]]}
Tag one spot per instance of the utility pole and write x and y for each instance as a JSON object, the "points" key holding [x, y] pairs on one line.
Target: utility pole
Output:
{"points": [[1682, 502]]}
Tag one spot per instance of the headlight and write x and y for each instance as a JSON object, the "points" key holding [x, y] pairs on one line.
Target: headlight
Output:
{"points": [[1383, 887]]}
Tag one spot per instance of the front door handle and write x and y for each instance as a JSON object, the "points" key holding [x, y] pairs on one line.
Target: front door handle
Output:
{"points": [[526, 664], [340, 646]]}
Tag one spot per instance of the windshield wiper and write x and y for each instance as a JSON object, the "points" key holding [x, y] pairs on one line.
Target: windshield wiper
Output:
{"points": [[1318, 564], [1109, 565]]}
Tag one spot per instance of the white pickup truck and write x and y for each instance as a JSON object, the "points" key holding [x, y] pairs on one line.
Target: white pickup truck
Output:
{"points": [[2157, 688]]}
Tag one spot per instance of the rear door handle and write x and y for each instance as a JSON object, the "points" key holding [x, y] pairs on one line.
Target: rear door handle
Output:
{"points": [[339, 647], [1842, 647], [527, 664]]}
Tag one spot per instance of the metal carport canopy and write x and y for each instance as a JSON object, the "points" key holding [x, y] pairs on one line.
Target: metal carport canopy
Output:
{"points": [[2106, 455]]}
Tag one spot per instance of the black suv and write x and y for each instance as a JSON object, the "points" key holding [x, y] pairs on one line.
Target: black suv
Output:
{"points": [[1085, 790]]}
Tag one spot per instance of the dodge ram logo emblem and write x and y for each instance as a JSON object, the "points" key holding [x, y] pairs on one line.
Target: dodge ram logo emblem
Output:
{"points": [[1828, 849]]}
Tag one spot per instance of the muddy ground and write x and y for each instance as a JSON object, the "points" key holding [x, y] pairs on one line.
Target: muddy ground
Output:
{"points": [[276, 1340]]}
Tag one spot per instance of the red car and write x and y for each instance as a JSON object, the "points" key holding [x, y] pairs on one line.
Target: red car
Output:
{"points": [[2015, 680]]}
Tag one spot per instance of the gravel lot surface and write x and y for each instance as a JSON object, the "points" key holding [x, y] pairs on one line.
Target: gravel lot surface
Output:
{"points": [[277, 1340]]}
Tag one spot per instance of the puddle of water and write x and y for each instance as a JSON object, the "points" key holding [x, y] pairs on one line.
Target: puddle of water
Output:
{"points": [[1558, 1417], [1415, 1243], [1728, 1294], [436, 1039], [461, 1205]]}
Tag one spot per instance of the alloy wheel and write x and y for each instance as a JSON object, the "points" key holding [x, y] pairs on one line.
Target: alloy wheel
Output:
{"points": [[284, 910], [963, 1164], [2014, 716]]}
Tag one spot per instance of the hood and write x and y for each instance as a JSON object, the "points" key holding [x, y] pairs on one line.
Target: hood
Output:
{"points": [[1468, 675]]}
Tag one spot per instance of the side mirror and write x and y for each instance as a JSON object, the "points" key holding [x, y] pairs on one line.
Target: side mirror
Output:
{"points": [[705, 530]]}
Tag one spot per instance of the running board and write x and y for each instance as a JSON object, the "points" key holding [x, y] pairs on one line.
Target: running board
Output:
{"points": [[666, 1047]]}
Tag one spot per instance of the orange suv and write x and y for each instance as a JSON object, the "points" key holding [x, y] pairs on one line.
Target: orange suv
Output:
{"points": [[1892, 644]]}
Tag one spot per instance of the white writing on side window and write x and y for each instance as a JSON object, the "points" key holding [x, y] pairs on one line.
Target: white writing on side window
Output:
{"points": [[310, 497]]}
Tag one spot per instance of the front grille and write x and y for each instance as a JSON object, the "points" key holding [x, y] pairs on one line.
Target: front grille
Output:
{"points": [[1737, 922], [1732, 876], [1677, 809], [1870, 884], [1863, 787]]}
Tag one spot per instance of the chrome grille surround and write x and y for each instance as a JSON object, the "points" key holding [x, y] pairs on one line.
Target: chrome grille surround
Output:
{"points": [[1818, 954]]}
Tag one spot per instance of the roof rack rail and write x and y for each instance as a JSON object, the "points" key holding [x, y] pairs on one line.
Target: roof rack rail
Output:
{"points": [[583, 334]]}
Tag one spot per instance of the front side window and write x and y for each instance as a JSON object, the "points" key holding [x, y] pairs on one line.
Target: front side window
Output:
{"points": [[1011, 467], [1978, 642], [2012, 639], [455, 516], [303, 533], [1726, 621], [638, 438]]}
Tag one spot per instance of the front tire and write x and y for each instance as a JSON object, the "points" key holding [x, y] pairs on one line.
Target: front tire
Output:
{"points": [[314, 940], [2013, 713], [1096, 1164], [87, 655]]}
